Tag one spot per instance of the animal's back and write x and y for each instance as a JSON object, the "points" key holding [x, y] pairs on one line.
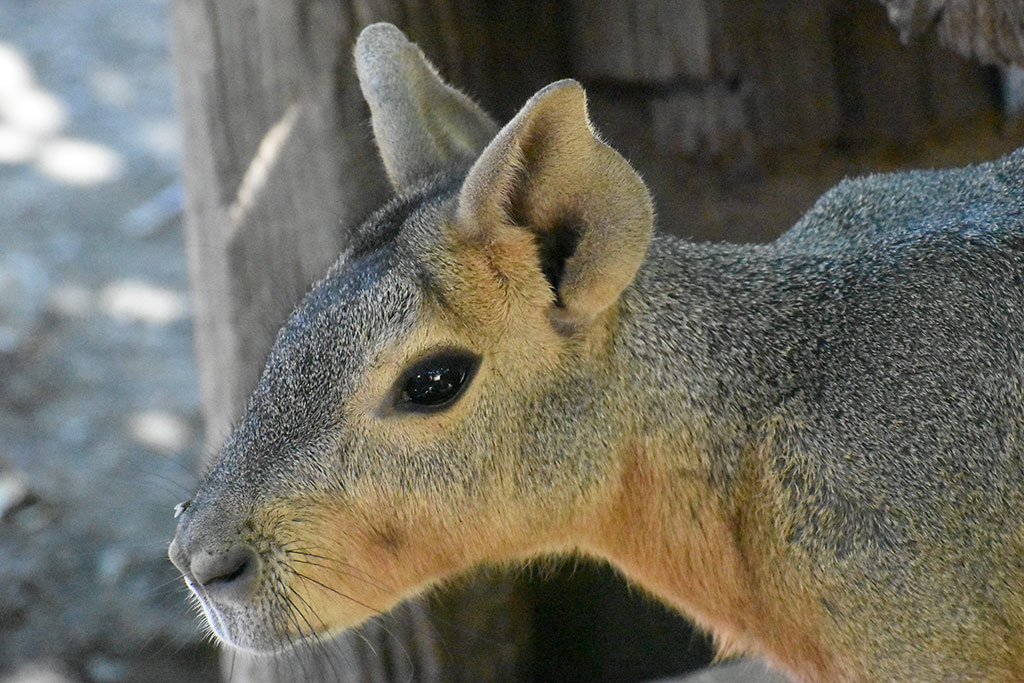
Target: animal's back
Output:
{"points": [[904, 443], [860, 212]]}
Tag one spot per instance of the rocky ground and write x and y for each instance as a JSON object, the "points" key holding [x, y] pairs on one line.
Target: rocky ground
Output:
{"points": [[99, 413]]}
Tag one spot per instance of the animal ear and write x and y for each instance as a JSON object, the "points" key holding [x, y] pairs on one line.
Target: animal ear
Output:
{"points": [[422, 125], [590, 213]]}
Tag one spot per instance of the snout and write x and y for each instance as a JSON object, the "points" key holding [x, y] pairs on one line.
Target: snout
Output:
{"points": [[208, 551], [221, 567], [262, 585], [221, 573]]}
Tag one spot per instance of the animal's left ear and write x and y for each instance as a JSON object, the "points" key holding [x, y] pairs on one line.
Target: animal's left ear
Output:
{"points": [[422, 125], [591, 214]]}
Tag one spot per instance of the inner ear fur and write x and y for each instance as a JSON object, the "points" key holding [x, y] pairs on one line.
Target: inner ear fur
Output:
{"points": [[547, 172], [422, 125]]}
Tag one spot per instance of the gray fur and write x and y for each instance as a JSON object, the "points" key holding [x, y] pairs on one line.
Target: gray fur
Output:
{"points": [[420, 123], [888, 364]]}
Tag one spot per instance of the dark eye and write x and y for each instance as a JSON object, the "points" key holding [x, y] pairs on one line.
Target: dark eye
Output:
{"points": [[437, 381]]}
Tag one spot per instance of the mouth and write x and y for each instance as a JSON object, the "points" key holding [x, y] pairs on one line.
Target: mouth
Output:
{"points": [[286, 579], [213, 618], [242, 626]]}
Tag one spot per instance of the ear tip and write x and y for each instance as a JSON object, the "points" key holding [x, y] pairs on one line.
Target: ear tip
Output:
{"points": [[376, 39], [569, 87], [382, 30], [566, 96], [570, 83], [566, 92]]}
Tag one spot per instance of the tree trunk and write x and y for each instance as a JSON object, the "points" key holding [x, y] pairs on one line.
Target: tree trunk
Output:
{"points": [[703, 95]]}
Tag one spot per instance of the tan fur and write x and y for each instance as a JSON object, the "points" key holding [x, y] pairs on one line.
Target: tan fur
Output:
{"points": [[662, 524], [546, 169]]}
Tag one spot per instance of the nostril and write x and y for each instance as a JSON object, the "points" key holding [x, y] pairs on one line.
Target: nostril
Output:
{"points": [[228, 578], [218, 570]]}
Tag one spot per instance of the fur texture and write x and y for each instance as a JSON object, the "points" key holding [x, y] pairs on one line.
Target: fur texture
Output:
{"points": [[814, 448]]}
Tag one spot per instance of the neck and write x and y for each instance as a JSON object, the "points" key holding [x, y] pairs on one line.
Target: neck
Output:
{"points": [[694, 513]]}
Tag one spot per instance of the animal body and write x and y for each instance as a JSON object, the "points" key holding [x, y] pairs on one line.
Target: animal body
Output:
{"points": [[814, 448]]}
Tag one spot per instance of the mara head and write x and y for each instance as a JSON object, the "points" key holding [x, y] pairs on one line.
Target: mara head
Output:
{"points": [[440, 398]]}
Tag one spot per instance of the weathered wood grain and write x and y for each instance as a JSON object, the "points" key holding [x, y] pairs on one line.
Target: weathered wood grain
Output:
{"points": [[643, 42], [989, 30]]}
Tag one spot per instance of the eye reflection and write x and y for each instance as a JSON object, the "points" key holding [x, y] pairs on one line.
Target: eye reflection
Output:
{"points": [[437, 381]]}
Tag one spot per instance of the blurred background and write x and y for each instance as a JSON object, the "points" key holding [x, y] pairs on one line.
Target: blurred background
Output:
{"points": [[99, 406], [738, 114]]}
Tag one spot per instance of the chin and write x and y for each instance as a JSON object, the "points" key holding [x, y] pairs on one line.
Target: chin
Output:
{"points": [[271, 624]]}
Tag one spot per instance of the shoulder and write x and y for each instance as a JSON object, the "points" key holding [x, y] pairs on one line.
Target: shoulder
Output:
{"points": [[860, 213]]}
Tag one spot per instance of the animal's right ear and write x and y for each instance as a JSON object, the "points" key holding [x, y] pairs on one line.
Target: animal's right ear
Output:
{"points": [[590, 214], [422, 125]]}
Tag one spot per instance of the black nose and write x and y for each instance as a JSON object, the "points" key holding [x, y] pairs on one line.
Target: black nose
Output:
{"points": [[225, 573]]}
